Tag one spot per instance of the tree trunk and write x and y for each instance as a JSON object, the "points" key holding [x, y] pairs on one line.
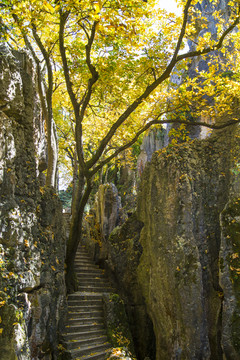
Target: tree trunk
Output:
{"points": [[81, 197], [52, 153], [75, 176]]}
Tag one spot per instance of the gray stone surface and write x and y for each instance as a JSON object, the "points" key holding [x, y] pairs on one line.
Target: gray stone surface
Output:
{"points": [[117, 249], [124, 253], [184, 190], [31, 235], [154, 140], [108, 206], [116, 323], [104, 217]]}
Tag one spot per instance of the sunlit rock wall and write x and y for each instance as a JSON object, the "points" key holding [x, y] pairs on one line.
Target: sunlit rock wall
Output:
{"points": [[189, 267], [154, 140], [117, 249], [104, 216], [32, 244]]}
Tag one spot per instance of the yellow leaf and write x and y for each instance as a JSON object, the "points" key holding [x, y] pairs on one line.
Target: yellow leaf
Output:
{"points": [[48, 6], [97, 8]]}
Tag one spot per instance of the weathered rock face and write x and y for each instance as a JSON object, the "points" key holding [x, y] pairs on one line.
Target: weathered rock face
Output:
{"points": [[185, 189], [156, 139], [230, 278], [108, 205], [116, 323], [31, 234], [104, 217], [124, 253], [117, 249]]}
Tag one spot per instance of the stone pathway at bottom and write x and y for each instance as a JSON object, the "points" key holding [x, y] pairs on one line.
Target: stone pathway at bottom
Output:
{"points": [[85, 333]]}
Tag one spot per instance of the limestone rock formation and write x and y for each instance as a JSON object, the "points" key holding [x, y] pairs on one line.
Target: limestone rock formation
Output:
{"points": [[156, 139], [124, 253], [189, 265], [117, 249], [176, 261], [31, 234], [116, 323], [103, 218]]}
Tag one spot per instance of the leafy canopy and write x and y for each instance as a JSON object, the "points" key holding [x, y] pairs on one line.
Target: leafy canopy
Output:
{"points": [[126, 45]]}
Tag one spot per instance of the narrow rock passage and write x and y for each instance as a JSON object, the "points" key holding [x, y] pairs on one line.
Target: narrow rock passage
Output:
{"points": [[85, 334]]}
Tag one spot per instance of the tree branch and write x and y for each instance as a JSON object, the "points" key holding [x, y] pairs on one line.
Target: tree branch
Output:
{"points": [[93, 71], [86, 98], [175, 59], [182, 32], [49, 71], [209, 49], [73, 98], [159, 122], [145, 94]]}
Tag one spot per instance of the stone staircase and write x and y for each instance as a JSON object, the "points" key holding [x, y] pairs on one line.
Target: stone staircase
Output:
{"points": [[85, 334]]}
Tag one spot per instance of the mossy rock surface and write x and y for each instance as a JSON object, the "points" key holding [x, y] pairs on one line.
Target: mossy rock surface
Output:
{"points": [[230, 274], [184, 190], [116, 322]]}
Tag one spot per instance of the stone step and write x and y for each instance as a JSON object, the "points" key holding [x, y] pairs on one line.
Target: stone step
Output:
{"points": [[86, 307], [84, 270], [100, 284], [86, 276], [97, 273], [86, 265], [83, 262], [85, 321], [83, 327], [86, 350], [95, 356], [93, 280], [83, 296], [83, 255], [85, 313], [88, 340], [97, 289], [88, 287], [87, 302], [85, 334]]}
